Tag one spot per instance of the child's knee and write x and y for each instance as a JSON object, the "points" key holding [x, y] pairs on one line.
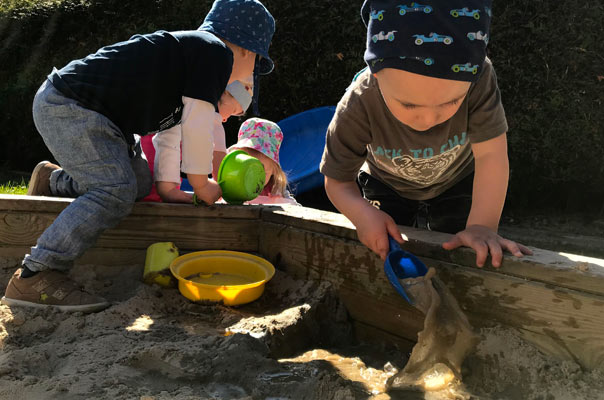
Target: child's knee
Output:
{"points": [[117, 199], [128, 192], [39, 102], [123, 197]]}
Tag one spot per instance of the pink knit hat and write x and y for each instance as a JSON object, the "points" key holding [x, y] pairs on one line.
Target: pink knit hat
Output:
{"points": [[261, 135]]}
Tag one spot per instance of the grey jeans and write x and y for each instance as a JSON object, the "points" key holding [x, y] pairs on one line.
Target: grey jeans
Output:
{"points": [[98, 167]]}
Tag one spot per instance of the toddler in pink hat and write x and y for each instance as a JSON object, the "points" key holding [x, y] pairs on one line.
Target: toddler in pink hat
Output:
{"points": [[262, 139]]}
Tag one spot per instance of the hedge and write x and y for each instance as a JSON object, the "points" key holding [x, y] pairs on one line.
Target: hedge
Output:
{"points": [[548, 54]]}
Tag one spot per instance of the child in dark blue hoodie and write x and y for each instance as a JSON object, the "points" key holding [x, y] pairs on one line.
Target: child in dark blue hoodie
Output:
{"points": [[89, 114]]}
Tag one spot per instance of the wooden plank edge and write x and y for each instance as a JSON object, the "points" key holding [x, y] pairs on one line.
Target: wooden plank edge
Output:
{"points": [[15, 203], [571, 271], [591, 246], [563, 320]]}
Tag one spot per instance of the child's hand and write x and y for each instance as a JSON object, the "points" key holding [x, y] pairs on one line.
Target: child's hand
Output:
{"points": [[206, 190], [373, 227], [209, 193], [484, 241], [170, 193]]}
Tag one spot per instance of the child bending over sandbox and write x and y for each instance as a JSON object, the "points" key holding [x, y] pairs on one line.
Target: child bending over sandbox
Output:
{"points": [[88, 113], [422, 130], [259, 138]]}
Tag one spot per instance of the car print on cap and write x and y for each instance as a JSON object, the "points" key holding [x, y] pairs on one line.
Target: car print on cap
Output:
{"points": [[425, 60], [413, 7], [478, 36], [467, 67], [373, 62], [433, 37], [465, 12], [379, 15], [383, 36]]}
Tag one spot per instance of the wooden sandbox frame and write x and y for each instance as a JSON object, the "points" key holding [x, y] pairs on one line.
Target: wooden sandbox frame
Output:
{"points": [[555, 301]]}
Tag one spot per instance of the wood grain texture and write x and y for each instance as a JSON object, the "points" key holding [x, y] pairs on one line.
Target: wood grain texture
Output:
{"points": [[554, 300], [559, 269], [571, 243], [24, 218], [138, 232], [564, 322], [56, 205]]}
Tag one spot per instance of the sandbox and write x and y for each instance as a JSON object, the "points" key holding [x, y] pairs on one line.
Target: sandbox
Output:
{"points": [[328, 326]]}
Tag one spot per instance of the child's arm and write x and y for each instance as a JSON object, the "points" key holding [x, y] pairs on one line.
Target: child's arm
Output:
{"points": [[217, 158], [488, 195], [490, 182], [219, 145], [170, 193], [167, 155], [167, 166], [206, 189], [197, 147], [373, 226]]}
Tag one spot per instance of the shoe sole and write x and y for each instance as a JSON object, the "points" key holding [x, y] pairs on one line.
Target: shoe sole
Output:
{"points": [[85, 308], [33, 182]]}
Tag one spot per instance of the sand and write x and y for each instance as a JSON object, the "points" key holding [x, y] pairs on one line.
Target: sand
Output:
{"points": [[295, 342]]}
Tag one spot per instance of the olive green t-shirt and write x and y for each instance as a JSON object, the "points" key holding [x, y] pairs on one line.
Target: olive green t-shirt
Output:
{"points": [[364, 134]]}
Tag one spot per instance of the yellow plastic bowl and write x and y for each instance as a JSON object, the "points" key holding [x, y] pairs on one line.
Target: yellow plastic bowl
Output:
{"points": [[230, 277]]}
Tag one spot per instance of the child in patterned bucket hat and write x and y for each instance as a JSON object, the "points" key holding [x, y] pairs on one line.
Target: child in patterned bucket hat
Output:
{"points": [[262, 139], [422, 130], [247, 24], [90, 121]]}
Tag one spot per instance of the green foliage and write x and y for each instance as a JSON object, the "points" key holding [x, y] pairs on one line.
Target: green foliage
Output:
{"points": [[548, 55]]}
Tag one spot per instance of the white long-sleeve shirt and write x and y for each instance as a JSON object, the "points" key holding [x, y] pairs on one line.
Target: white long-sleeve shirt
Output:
{"points": [[200, 132]]}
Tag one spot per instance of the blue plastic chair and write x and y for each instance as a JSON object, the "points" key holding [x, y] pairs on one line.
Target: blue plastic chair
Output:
{"points": [[302, 148]]}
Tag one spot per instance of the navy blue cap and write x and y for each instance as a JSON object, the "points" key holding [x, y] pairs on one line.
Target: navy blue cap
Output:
{"points": [[444, 39], [245, 23]]}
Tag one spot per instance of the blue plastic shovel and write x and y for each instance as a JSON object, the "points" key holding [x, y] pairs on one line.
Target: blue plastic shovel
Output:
{"points": [[401, 264]]}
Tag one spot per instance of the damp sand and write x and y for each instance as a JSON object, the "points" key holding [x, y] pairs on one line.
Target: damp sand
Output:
{"points": [[295, 342]]}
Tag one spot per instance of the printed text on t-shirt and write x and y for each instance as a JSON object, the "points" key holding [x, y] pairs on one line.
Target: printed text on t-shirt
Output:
{"points": [[427, 152]]}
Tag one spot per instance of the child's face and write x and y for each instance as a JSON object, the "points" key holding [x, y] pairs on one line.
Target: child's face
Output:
{"points": [[266, 162], [228, 106], [419, 101]]}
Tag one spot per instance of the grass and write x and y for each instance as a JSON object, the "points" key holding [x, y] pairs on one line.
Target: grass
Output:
{"points": [[12, 187]]}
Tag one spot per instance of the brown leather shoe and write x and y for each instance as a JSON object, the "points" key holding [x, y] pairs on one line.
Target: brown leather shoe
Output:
{"points": [[50, 288], [39, 184]]}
